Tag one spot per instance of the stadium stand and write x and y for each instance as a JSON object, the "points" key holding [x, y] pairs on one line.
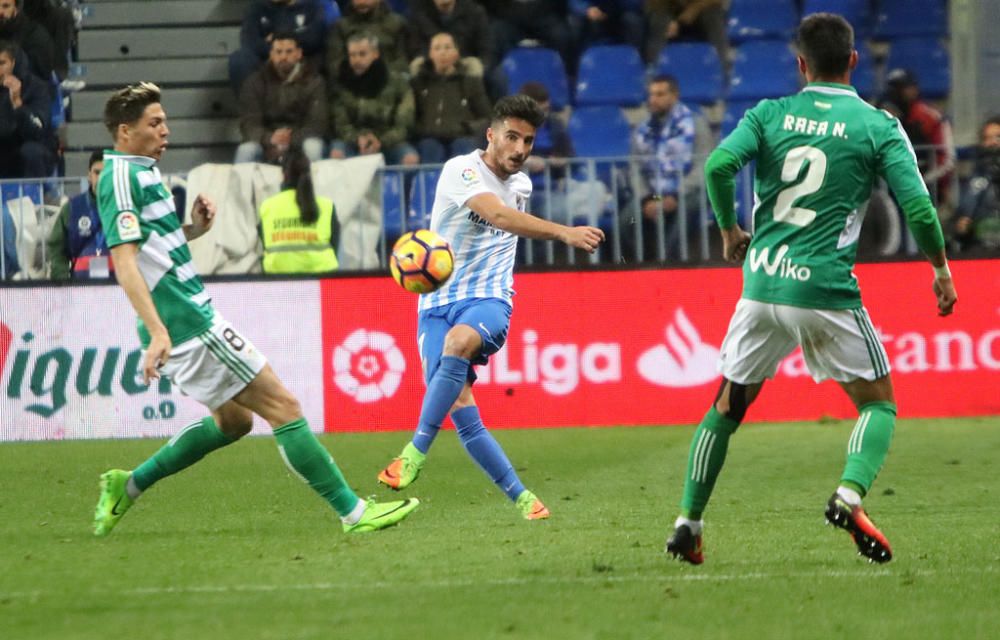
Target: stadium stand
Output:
{"points": [[908, 18], [857, 12], [610, 75], [182, 45], [763, 69], [697, 69], [523, 64], [928, 59], [754, 20]]}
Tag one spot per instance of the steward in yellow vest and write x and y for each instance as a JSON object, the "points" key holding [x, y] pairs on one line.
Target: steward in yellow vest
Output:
{"points": [[298, 228]]}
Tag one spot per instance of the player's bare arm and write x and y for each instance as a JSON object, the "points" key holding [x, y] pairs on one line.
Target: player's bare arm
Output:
{"points": [[202, 218], [492, 209], [158, 352], [734, 243], [944, 286]]}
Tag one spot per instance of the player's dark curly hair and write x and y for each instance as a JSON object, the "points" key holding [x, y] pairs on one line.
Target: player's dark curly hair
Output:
{"points": [[127, 105], [518, 106], [826, 41]]}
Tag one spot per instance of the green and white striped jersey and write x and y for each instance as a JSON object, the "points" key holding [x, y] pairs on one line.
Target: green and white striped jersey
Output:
{"points": [[818, 154], [135, 206]]}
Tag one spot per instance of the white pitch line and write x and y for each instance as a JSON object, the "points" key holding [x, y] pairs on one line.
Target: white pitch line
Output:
{"points": [[502, 582]]}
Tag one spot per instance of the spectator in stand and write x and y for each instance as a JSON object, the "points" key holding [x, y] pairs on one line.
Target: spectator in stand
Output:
{"points": [[607, 22], [282, 104], [465, 20], [372, 107], [542, 21], [671, 20], [375, 18], [299, 229], [27, 146], [664, 143], [977, 221], [58, 20], [926, 127], [30, 36], [305, 19], [452, 109], [77, 239]]}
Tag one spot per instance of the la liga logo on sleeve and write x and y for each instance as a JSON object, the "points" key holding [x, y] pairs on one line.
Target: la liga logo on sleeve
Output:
{"points": [[469, 175], [128, 226]]}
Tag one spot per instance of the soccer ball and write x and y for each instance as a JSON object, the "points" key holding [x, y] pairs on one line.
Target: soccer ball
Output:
{"points": [[421, 261]]}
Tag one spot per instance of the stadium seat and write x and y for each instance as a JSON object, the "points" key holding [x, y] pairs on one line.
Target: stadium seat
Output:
{"points": [[763, 69], [610, 75], [599, 132], [697, 69], [907, 18], [731, 117], [392, 204], [857, 12], [331, 12], [753, 19], [928, 59], [863, 78], [422, 190], [524, 64]]}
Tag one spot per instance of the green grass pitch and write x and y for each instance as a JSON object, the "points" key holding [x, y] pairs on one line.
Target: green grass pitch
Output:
{"points": [[236, 548]]}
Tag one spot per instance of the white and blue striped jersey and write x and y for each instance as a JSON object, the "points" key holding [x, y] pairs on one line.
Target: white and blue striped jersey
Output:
{"points": [[484, 255]]}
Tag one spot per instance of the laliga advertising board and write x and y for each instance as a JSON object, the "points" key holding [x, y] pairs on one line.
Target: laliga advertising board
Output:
{"points": [[640, 347], [71, 365]]}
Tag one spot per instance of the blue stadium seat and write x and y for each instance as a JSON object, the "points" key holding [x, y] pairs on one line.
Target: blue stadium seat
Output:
{"points": [[611, 75], [418, 216], [524, 64], [401, 7], [763, 69], [863, 78], [907, 18], [753, 19], [697, 69], [392, 204], [857, 12], [15, 190], [599, 132], [928, 59], [331, 12], [731, 117]]}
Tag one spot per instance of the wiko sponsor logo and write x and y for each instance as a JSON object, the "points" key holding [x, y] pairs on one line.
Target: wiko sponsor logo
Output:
{"points": [[368, 366], [780, 266], [683, 361], [43, 379]]}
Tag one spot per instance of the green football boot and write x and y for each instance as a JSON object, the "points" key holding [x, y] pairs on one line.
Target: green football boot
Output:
{"points": [[379, 515], [113, 503], [404, 469]]}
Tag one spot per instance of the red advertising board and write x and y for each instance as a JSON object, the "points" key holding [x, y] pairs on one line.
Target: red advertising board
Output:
{"points": [[640, 347]]}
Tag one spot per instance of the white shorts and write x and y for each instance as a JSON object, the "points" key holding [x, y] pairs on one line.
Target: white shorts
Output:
{"points": [[215, 365], [840, 344]]}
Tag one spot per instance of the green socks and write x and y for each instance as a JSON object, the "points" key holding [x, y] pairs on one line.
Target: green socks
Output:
{"points": [[705, 460], [869, 444], [190, 445], [307, 459]]}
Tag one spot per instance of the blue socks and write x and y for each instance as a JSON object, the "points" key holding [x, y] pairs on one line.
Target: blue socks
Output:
{"points": [[442, 392], [486, 451]]}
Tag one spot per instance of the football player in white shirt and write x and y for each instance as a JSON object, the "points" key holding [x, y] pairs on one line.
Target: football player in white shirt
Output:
{"points": [[479, 208]]}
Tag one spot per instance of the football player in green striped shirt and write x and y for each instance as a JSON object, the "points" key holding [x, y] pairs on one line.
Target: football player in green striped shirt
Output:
{"points": [[818, 154], [184, 338]]}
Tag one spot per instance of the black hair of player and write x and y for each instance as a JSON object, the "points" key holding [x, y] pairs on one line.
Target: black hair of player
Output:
{"points": [[518, 106], [826, 42]]}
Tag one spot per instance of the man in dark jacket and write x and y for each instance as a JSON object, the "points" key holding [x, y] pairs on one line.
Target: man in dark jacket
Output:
{"points": [[26, 144], [281, 105], [77, 245], [452, 109], [375, 18], [463, 19], [30, 36], [305, 19], [541, 20], [371, 106]]}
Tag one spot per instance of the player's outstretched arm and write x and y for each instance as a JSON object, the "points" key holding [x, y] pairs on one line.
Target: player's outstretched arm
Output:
{"points": [[491, 208], [127, 271], [202, 218]]}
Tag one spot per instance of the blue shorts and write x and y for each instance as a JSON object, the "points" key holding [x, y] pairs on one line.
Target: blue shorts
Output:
{"points": [[489, 316]]}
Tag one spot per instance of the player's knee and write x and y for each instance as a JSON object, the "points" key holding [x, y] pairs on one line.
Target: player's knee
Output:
{"points": [[732, 400], [462, 342]]}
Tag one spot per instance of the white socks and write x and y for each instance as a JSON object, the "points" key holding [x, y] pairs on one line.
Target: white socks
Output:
{"points": [[693, 525], [133, 491], [850, 496], [355, 515]]}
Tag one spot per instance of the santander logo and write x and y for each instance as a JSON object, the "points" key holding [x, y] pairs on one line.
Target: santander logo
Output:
{"points": [[368, 366], [684, 361]]}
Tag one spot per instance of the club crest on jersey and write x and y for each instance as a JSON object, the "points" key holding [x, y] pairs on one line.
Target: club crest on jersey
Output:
{"points": [[128, 226], [469, 175]]}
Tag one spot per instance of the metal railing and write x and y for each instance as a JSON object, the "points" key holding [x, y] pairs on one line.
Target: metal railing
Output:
{"points": [[604, 192]]}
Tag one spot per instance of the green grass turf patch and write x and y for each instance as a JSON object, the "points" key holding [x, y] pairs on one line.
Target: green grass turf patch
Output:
{"points": [[235, 547]]}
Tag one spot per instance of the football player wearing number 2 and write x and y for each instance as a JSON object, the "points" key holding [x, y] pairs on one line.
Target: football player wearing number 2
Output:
{"points": [[818, 154], [479, 209], [185, 339]]}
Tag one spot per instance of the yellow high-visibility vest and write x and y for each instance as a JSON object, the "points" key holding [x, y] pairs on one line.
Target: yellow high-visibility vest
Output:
{"points": [[292, 246]]}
